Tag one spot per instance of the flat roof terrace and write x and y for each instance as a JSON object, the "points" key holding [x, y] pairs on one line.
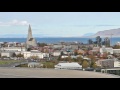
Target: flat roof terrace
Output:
{"points": [[14, 72]]}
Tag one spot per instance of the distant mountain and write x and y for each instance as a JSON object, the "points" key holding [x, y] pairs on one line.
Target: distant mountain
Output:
{"points": [[88, 34], [107, 33]]}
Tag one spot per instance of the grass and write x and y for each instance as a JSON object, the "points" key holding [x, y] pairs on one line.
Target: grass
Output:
{"points": [[6, 62], [23, 65], [45, 65], [48, 65]]}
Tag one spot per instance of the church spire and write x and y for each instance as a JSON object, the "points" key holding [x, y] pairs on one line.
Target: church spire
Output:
{"points": [[29, 32]]}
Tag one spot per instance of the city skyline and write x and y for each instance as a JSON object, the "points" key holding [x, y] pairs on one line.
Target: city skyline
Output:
{"points": [[58, 24]]}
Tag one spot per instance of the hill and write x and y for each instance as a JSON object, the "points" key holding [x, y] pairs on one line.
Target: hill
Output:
{"points": [[107, 33]]}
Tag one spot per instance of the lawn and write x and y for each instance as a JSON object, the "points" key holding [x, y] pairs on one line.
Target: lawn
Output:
{"points": [[48, 65], [6, 62]]}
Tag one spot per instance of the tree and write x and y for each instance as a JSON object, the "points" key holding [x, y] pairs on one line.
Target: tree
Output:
{"points": [[92, 57], [93, 64], [116, 47], [29, 49], [85, 64], [90, 41], [59, 58], [80, 60], [42, 44], [99, 40], [75, 52], [107, 42], [13, 55], [34, 57], [105, 54], [19, 55]]}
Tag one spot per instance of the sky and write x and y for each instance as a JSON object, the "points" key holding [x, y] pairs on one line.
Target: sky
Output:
{"points": [[58, 24]]}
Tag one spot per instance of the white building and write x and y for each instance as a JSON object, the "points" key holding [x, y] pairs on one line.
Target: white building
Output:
{"points": [[107, 50], [116, 63], [13, 49], [116, 51], [108, 63], [118, 43], [7, 54], [72, 65], [56, 53], [38, 54], [64, 56], [57, 46]]}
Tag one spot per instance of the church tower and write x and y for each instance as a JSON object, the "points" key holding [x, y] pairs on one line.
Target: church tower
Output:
{"points": [[29, 33], [31, 42]]}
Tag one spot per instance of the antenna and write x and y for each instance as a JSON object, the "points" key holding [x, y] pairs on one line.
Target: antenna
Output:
{"points": [[110, 37]]}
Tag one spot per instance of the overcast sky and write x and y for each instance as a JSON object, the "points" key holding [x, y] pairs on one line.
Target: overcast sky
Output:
{"points": [[65, 24]]}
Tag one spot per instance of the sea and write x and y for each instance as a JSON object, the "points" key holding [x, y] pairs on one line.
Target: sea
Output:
{"points": [[56, 40]]}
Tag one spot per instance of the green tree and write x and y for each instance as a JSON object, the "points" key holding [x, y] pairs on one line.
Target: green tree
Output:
{"points": [[13, 55], [93, 64], [34, 57], [59, 58], [85, 64], [29, 49], [19, 55], [80, 60], [42, 44], [90, 41], [75, 52], [99, 40]]}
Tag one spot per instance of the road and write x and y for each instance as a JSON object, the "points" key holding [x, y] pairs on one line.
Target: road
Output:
{"points": [[14, 72]]}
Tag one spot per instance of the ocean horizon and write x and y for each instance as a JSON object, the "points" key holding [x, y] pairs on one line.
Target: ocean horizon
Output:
{"points": [[56, 40]]}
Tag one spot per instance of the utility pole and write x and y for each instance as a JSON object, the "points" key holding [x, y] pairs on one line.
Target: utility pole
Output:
{"points": [[110, 38]]}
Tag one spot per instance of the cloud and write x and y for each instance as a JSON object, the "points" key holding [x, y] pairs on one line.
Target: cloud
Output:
{"points": [[14, 23], [105, 25], [95, 25]]}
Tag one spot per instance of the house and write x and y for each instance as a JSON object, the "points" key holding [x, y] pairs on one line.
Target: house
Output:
{"points": [[118, 43], [72, 65], [40, 55], [74, 47], [64, 56], [56, 53], [91, 52], [105, 63], [80, 51], [96, 48], [6, 54], [13, 49], [116, 51], [116, 63], [57, 46], [106, 50]]}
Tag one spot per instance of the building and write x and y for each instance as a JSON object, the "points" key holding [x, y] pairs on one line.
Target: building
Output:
{"points": [[116, 51], [64, 56], [105, 63], [106, 50], [13, 49], [118, 43], [40, 55], [6, 54], [116, 63], [72, 65], [56, 53], [31, 42]]}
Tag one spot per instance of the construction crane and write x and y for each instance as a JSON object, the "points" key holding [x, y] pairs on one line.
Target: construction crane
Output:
{"points": [[110, 37]]}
